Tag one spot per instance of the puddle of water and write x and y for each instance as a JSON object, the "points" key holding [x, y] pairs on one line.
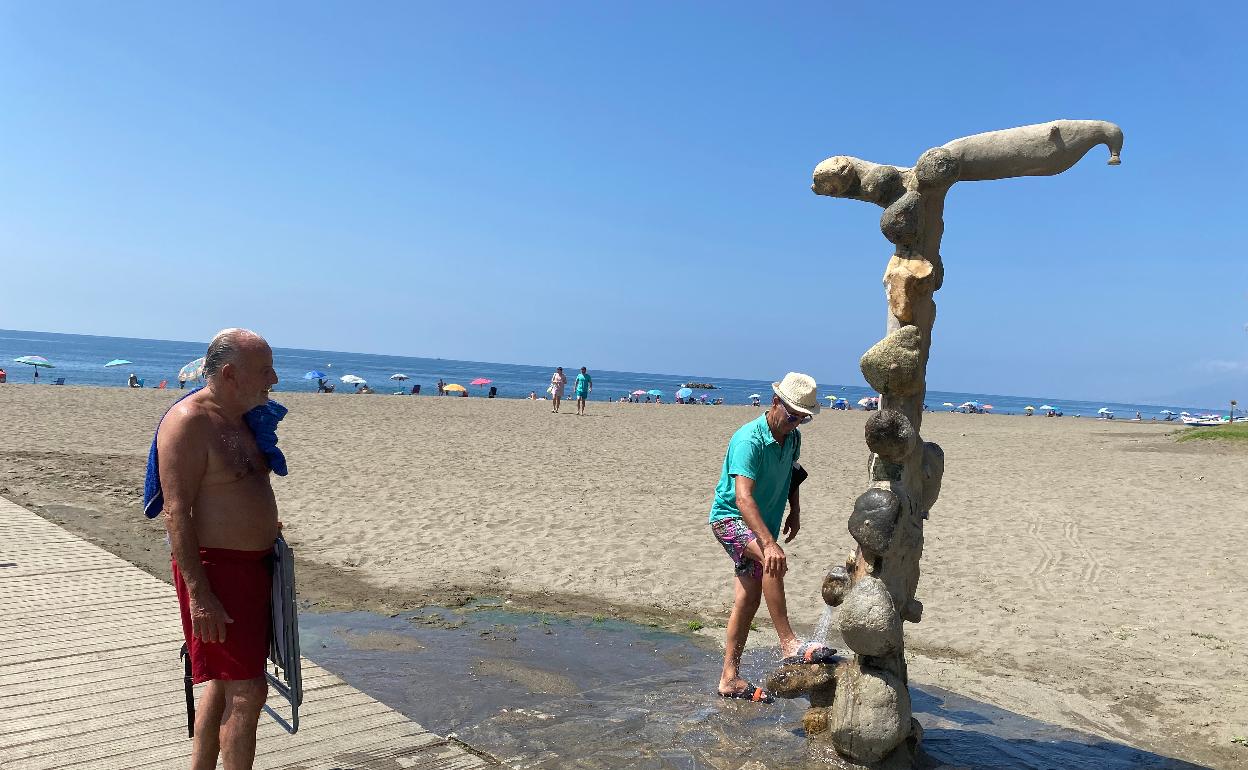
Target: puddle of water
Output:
{"points": [[544, 691]]}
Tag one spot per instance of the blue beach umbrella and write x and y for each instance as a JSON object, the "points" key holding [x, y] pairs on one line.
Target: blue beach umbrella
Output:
{"points": [[655, 392], [315, 374], [683, 393], [118, 362]]}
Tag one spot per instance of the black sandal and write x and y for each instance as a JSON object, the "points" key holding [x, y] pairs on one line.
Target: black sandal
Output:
{"points": [[751, 693]]}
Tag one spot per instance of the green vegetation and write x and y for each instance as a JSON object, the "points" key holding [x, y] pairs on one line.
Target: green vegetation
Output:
{"points": [[1241, 740], [600, 618], [1230, 432], [753, 626], [694, 625]]}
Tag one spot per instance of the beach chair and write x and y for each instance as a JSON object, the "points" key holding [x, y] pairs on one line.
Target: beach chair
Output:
{"points": [[286, 676], [59, 381], [162, 384]]}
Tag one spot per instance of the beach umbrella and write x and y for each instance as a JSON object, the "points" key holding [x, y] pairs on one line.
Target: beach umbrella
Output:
{"points": [[1029, 409], [986, 406], [754, 395], [36, 362], [481, 381], [351, 379], [864, 401], [192, 371], [947, 403], [638, 393], [1046, 406], [1104, 410], [397, 376], [1165, 411], [118, 362], [454, 388], [685, 393], [315, 374], [655, 392]]}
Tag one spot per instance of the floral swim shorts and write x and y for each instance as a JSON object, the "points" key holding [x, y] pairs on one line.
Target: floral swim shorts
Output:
{"points": [[734, 536]]}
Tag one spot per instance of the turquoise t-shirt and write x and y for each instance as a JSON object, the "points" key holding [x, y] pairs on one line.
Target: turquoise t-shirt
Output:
{"points": [[753, 452], [582, 383]]}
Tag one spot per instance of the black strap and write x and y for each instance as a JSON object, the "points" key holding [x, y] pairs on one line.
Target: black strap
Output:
{"points": [[188, 683]]}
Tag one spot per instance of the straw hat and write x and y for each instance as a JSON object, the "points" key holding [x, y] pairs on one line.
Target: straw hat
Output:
{"points": [[797, 391]]}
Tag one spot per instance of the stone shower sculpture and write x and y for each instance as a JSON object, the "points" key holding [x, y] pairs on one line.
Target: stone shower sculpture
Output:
{"points": [[859, 715]]}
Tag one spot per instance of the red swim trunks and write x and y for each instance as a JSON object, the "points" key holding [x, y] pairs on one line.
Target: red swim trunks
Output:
{"points": [[242, 582]]}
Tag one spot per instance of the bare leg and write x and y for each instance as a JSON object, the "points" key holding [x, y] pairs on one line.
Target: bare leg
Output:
{"points": [[243, 702], [777, 606], [746, 596], [207, 743]]}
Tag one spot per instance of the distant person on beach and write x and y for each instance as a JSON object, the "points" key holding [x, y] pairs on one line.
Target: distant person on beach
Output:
{"points": [[557, 382], [584, 386], [132, 380], [441, 387], [4, 376], [760, 474], [221, 516], [532, 395]]}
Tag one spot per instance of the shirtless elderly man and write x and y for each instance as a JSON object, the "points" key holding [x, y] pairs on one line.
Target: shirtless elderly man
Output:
{"points": [[221, 516]]}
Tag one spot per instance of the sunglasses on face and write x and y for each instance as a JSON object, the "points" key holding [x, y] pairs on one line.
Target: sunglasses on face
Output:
{"points": [[800, 419]]}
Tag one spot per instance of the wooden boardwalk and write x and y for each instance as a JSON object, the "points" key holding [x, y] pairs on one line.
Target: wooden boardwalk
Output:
{"points": [[90, 676]]}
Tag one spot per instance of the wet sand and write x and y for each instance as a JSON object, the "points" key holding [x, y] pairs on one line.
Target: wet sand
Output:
{"points": [[1085, 573]]}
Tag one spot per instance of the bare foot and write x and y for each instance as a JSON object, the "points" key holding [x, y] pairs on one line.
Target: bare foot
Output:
{"points": [[732, 686]]}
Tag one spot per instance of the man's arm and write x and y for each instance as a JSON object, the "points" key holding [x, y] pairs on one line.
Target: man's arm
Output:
{"points": [[774, 560], [183, 449]]}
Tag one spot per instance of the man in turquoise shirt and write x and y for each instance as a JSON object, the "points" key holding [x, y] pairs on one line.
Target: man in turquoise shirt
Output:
{"points": [[584, 384], [755, 483]]}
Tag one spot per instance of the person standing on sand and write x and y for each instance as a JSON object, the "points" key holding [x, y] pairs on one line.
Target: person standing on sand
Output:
{"points": [[221, 516], [557, 382], [584, 386], [757, 479]]}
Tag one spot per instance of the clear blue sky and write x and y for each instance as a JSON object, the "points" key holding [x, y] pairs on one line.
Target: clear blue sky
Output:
{"points": [[627, 185]]}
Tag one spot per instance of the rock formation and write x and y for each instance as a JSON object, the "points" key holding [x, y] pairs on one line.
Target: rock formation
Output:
{"points": [[859, 714]]}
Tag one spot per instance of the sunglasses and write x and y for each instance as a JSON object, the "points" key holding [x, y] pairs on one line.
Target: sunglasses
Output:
{"points": [[800, 419]]}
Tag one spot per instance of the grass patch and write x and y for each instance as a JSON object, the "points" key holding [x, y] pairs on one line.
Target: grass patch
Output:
{"points": [[1241, 740], [694, 625], [1230, 432], [753, 626], [600, 618]]}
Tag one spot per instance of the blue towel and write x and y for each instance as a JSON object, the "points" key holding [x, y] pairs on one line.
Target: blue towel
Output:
{"points": [[263, 422]]}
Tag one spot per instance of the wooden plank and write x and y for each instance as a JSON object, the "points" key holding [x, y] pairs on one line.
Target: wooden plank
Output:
{"points": [[90, 676]]}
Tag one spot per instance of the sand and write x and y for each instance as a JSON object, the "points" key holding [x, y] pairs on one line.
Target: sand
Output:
{"points": [[1084, 572]]}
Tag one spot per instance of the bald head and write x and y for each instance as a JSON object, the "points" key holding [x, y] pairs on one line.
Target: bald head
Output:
{"points": [[227, 346]]}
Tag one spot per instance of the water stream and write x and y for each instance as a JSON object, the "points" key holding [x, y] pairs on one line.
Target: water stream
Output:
{"points": [[544, 691]]}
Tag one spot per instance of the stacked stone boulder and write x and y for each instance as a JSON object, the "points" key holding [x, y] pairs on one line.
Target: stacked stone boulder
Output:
{"points": [[860, 712]]}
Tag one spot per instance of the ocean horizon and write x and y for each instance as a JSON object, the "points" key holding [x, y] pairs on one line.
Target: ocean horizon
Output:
{"points": [[80, 359]]}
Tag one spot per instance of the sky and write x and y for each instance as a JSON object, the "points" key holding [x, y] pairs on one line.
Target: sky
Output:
{"points": [[627, 185]]}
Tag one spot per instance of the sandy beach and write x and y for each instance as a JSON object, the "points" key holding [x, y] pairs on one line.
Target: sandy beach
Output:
{"points": [[1084, 572]]}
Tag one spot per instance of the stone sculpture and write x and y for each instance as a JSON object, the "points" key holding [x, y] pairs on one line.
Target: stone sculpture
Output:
{"points": [[859, 714]]}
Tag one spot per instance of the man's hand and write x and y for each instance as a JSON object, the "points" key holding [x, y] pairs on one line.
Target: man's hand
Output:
{"points": [[775, 563], [791, 526], [208, 617]]}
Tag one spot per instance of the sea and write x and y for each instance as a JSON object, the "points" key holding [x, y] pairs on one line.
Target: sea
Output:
{"points": [[80, 359]]}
